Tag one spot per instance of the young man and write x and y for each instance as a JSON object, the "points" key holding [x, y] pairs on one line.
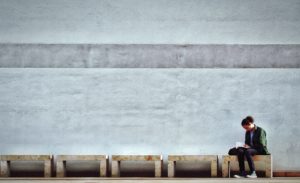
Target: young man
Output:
{"points": [[255, 143]]}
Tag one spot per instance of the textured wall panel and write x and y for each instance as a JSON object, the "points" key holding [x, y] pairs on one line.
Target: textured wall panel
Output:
{"points": [[141, 111], [149, 56]]}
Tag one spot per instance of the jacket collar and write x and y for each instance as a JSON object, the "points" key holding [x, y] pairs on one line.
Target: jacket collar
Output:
{"points": [[255, 127]]}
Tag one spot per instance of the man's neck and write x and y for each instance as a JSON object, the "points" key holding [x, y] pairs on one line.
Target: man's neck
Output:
{"points": [[253, 128]]}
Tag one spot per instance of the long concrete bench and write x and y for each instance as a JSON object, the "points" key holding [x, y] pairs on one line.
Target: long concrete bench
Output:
{"points": [[61, 162], [267, 159], [116, 161], [172, 159], [6, 159]]}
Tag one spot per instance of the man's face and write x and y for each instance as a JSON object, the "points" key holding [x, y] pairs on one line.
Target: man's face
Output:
{"points": [[248, 127]]}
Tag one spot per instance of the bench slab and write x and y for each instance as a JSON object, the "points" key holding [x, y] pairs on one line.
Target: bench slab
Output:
{"points": [[136, 157], [116, 162], [267, 159], [173, 158], [61, 163], [81, 157], [6, 159], [25, 157]]}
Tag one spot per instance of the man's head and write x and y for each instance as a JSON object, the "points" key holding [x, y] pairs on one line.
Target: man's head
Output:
{"points": [[248, 123]]}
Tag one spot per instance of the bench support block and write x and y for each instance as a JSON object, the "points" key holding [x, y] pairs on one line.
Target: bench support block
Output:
{"points": [[158, 168], [171, 168], [5, 168], [61, 167], [103, 168], [47, 168], [115, 168]]}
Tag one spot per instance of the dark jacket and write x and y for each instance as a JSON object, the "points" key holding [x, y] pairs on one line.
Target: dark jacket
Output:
{"points": [[259, 140]]}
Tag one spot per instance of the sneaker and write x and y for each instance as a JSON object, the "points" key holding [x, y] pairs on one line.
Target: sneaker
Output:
{"points": [[241, 175], [252, 175]]}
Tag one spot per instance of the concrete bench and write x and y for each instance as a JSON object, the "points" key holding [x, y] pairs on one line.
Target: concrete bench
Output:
{"points": [[267, 159], [116, 161], [61, 162], [172, 159], [6, 159]]}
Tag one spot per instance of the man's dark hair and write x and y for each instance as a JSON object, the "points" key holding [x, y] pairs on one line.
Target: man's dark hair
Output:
{"points": [[247, 120]]}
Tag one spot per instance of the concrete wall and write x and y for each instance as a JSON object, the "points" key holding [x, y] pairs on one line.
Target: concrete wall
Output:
{"points": [[76, 99], [148, 56], [150, 22], [168, 111]]}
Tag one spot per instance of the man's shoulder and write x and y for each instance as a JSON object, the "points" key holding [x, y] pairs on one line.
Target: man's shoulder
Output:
{"points": [[260, 129]]}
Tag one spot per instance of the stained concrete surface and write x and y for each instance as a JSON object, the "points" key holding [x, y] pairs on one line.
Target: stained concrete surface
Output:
{"points": [[148, 56]]}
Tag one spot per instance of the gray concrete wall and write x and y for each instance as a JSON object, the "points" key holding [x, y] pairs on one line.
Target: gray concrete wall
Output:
{"points": [[145, 111], [149, 56], [150, 22], [59, 106]]}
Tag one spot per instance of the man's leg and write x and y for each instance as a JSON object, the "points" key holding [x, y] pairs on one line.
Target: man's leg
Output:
{"points": [[241, 158], [249, 153]]}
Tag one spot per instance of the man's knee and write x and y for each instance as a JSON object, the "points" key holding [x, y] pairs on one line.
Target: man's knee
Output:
{"points": [[241, 151], [236, 151], [250, 152], [247, 152]]}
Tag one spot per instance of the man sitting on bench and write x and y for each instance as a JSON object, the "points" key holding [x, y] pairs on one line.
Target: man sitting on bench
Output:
{"points": [[255, 143]]}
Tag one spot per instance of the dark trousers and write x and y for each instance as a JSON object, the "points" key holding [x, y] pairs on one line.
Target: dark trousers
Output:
{"points": [[243, 153]]}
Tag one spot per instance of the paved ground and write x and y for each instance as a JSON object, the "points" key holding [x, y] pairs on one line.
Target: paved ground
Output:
{"points": [[146, 180]]}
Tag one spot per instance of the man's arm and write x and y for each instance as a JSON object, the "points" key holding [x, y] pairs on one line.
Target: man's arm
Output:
{"points": [[263, 138]]}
